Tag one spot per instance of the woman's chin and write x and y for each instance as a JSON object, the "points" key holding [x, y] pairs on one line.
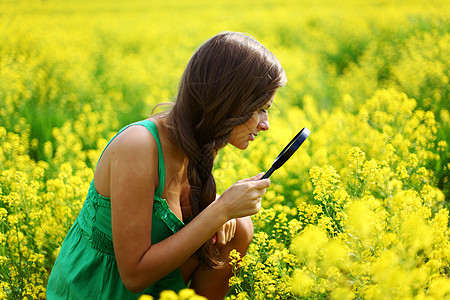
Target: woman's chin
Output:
{"points": [[241, 146]]}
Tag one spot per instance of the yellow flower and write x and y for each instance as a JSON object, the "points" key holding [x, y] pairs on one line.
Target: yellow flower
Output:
{"points": [[416, 234], [342, 293], [335, 254], [234, 256], [169, 295], [234, 280], [302, 282], [189, 294], [361, 220], [325, 181], [309, 242], [356, 157], [440, 288]]}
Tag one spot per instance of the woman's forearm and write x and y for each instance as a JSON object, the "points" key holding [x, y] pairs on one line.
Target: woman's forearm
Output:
{"points": [[163, 257]]}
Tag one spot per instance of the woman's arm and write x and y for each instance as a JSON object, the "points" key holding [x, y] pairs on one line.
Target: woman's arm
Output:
{"points": [[133, 179]]}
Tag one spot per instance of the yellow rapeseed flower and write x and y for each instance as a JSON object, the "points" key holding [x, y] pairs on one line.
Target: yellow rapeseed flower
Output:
{"points": [[302, 282]]}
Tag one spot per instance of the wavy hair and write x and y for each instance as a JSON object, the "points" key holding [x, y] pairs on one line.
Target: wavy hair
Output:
{"points": [[227, 79]]}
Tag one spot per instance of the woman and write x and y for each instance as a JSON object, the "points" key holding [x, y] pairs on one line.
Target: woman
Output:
{"points": [[152, 204]]}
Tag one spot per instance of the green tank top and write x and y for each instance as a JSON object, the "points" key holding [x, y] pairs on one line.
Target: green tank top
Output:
{"points": [[86, 267]]}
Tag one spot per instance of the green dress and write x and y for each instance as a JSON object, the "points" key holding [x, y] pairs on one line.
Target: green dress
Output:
{"points": [[86, 267]]}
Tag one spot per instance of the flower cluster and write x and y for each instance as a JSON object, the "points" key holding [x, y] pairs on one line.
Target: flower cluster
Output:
{"points": [[395, 247], [35, 211]]}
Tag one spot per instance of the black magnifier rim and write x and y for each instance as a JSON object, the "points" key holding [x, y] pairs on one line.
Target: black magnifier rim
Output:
{"points": [[287, 152], [293, 145]]}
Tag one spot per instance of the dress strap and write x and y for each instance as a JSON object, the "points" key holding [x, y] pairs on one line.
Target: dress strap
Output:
{"points": [[151, 126]]}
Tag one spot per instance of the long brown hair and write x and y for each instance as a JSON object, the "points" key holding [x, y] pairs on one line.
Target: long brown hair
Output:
{"points": [[227, 79]]}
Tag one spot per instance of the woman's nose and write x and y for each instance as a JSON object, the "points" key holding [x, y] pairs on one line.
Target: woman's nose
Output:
{"points": [[264, 123]]}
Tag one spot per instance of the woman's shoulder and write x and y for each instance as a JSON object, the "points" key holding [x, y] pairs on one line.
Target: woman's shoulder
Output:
{"points": [[132, 152], [135, 137], [135, 146]]}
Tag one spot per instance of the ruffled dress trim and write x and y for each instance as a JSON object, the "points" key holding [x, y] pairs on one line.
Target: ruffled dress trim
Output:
{"points": [[163, 211]]}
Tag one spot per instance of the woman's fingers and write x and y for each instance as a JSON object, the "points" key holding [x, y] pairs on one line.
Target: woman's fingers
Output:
{"points": [[256, 177], [262, 184], [214, 239], [244, 197], [232, 230], [225, 233], [258, 204]]}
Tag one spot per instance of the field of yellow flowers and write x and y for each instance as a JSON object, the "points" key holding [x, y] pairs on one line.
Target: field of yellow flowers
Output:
{"points": [[361, 211]]}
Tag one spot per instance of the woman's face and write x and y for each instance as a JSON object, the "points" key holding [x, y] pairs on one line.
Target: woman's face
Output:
{"points": [[247, 132]]}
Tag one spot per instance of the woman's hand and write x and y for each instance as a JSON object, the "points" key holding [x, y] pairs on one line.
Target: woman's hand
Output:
{"points": [[225, 233], [244, 197]]}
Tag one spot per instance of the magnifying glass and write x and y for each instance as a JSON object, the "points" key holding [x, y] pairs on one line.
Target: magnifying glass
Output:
{"points": [[287, 152]]}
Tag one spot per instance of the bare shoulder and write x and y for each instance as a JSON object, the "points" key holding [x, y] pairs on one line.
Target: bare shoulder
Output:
{"points": [[135, 138], [133, 156]]}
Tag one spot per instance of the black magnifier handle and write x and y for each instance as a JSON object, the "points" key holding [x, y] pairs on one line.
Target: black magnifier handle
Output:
{"points": [[287, 152], [269, 172]]}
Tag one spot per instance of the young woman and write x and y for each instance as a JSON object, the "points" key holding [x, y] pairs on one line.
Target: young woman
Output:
{"points": [[152, 220]]}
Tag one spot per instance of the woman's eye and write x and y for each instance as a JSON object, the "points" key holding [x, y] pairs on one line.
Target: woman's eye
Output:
{"points": [[263, 110]]}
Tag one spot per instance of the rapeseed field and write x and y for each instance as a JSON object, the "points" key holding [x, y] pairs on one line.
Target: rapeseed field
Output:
{"points": [[361, 211]]}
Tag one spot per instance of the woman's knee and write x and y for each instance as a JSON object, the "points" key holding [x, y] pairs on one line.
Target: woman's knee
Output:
{"points": [[244, 233]]}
